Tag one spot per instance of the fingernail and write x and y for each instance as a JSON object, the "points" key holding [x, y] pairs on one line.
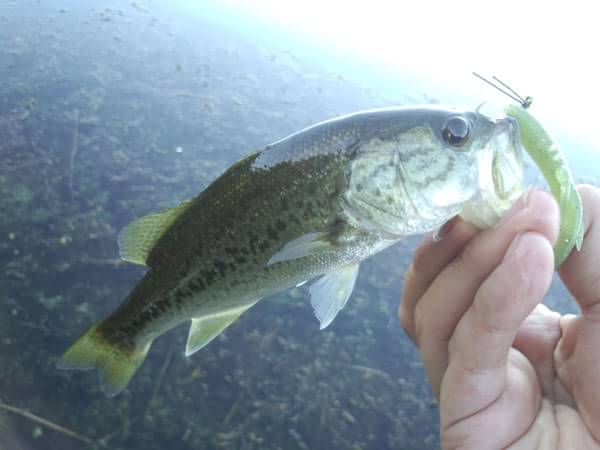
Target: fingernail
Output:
{"points": [[442, 232], [513, 250]]}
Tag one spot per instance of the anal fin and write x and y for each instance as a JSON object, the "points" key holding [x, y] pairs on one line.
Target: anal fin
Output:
{"points": [[205, 329]]}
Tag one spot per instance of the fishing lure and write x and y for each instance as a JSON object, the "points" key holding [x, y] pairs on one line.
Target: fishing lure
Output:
{"points": [[551, 161]]}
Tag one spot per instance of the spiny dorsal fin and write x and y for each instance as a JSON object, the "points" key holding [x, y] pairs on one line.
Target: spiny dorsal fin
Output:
{"points": [[137, 239]]}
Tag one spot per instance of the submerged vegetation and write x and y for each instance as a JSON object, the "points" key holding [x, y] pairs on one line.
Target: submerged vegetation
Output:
{"points": [[102, 122], [102, 132]]}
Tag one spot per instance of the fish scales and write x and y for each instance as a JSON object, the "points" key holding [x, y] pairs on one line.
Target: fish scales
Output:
{"points": [[237, 214], [316, 203]]}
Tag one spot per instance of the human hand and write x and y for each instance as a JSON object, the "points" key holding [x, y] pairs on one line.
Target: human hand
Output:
{"points": [[508, 371]]}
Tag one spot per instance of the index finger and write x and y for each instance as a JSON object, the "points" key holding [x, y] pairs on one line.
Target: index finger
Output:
{"points": [[581, 270]]}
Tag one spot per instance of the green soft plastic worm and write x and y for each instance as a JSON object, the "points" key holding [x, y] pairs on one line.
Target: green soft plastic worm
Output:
{"points": [[549, 158]]}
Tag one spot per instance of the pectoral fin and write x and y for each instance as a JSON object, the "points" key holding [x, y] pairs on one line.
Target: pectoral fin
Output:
{"points": [[305, 245], [205, 329], [330, 293]]}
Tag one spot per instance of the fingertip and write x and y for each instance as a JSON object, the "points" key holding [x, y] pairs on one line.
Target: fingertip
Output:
{"points": [[587, 190]]}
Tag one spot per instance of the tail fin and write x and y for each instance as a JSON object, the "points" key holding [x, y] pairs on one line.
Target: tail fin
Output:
{"points": [[115, 364]]}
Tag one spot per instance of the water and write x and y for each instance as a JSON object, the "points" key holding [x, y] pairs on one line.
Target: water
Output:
{"points": [[108, 113]]}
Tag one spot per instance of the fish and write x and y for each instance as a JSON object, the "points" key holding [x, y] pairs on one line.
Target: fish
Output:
{"points": [[313, 205]]}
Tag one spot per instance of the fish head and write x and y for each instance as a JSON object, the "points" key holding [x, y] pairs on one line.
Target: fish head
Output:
{"points": [[412, 175]]}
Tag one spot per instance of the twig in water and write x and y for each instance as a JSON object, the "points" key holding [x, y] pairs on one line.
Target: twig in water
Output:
{"points": [[233, 409], [46, 423], [104, 439], [159, 380], [370, 371], [163, 371]]}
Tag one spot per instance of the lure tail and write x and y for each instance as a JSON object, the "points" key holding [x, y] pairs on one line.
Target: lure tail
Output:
{"points": [[550, 160], [115, 363]]}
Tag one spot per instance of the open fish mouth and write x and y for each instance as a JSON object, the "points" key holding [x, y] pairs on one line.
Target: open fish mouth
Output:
{"points": [[500, 176], [507, 162]]}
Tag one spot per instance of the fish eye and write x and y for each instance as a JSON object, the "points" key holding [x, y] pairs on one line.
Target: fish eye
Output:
{"points": [[456, 131]]}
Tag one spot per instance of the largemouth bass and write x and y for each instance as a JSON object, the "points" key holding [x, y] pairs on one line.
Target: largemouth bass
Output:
{"points": [[314, 204]]}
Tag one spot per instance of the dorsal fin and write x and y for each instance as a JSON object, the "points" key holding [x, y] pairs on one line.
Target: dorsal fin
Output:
{"points": [[138, 238]]}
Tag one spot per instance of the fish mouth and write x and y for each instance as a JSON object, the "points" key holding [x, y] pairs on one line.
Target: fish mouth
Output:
{"points": [[507, 161], [500, 165], [500, 176]]}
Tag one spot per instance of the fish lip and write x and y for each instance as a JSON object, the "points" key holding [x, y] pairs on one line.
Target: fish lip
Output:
{"points": [[506, 125], [500, 175], [514, 133], [511, 155]]}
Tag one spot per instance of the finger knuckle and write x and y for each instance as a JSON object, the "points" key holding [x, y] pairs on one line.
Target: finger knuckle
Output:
{"points": [[420, 260], [469, 259], [419, 324], [406, 322]]}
